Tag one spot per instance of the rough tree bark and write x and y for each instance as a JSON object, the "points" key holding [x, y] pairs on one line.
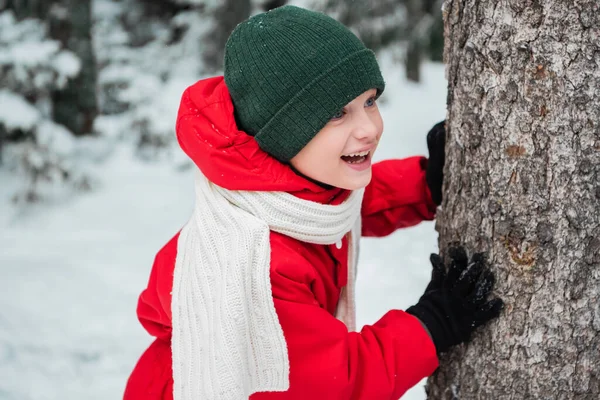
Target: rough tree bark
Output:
{"points": [[523, 184]]}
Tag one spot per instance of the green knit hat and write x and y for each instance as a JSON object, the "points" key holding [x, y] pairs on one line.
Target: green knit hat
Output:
{"points": [[289, 71]]}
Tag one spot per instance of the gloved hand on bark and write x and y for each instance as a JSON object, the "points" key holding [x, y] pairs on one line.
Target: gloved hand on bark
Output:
{"points": [[455, 301], [434, 174]]}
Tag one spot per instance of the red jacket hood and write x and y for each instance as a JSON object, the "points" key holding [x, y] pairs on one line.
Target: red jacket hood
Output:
{"points": [[230, 158]]}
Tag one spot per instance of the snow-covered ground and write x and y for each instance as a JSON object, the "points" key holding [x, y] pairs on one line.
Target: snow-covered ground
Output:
{"points": [[70, 273]]}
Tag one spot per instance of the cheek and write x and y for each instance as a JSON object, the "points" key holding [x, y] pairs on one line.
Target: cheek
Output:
{"points": [[378, 121], [332, 149]]}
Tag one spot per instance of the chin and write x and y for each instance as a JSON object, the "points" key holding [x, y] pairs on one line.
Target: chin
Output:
{"points": [[356, 187], [355, 184]]}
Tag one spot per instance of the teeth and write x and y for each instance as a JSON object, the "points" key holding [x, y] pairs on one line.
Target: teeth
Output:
{"points": [[362, 153]]}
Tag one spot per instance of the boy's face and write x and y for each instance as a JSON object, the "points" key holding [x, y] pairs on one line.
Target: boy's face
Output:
{"points": [[355, 129]]}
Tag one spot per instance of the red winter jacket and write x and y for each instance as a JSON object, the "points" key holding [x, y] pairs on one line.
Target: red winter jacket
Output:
{"points": [[381, 361]]}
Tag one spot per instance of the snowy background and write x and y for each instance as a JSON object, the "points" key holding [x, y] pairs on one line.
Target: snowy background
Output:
{"points": [[73, 264]]}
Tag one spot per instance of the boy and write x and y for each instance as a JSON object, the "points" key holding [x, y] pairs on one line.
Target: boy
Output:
{"points": [[254, 296]]}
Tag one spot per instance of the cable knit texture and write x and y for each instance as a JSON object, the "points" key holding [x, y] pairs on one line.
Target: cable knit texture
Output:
{"points": [[227, 342]]}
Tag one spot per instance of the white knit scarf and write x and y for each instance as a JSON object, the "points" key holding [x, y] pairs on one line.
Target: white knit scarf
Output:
{"points": [[227, 342]]}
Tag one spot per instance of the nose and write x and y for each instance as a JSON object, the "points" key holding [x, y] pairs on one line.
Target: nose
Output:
{"points": [[367, 126]]}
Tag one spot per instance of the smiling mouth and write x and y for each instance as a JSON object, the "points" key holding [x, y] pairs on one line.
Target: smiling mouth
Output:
{"points": [[357, 158]]}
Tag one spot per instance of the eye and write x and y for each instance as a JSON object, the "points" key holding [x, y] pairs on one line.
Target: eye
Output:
{"points": [[338, 115], [371, 102]]}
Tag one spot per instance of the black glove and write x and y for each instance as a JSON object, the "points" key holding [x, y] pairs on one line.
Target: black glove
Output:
{"points": [[455, 302], [434, 174]]}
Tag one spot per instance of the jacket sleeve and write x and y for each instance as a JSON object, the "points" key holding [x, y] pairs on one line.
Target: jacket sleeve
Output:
{"points": [[397, 197], [154, 304], [382, 361]]}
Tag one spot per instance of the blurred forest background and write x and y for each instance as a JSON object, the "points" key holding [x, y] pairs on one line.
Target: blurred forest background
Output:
{"points": [[80, 77], [93, 182]]}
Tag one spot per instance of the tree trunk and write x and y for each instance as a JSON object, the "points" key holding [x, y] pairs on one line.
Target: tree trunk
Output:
{"points": [[227, 16], [523, 184], [70, 22], [414, 50], [75, 106], [271, 4], [29, 8], [435, 34]]}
